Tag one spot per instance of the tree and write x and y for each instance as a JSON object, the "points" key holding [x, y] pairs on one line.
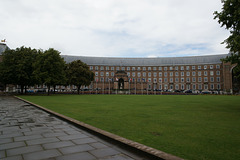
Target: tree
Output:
{"points": [[229, 18], [78, 74], [49, 68], [17, 67]]}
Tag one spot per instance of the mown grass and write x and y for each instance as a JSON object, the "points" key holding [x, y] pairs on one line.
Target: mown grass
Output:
{"points": [[193, 127]]}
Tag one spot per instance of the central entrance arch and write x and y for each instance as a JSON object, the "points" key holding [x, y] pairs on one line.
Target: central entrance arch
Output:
{"points": [[120, 84]]}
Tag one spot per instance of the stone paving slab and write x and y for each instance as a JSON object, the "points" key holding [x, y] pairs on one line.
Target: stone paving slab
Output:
{"points": [[27, 132]]}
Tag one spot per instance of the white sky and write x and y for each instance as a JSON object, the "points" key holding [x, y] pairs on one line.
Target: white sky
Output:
{"points": [[116, 28]]}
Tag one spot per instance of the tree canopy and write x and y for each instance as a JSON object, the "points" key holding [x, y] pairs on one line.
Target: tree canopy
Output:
{"points": [[78, 74], [16, 67], [229, 18], [49, 68]]}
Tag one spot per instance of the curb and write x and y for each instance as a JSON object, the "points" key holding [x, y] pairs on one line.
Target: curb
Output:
{"points": [[136, 147]]}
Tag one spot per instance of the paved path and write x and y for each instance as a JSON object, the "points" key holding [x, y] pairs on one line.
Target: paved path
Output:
{"points": [[28, 133]]}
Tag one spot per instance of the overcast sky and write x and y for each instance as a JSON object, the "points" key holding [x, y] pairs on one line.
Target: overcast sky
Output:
{"points": [[117, 28]]}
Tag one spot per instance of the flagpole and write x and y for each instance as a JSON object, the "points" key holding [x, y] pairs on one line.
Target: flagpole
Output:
{"points": [[129, 85], [147, 87], [135, 87], [96, 86], [103, 86]]}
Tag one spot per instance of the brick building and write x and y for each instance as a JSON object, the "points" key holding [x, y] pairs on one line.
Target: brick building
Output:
{"points": [[196, 73]]}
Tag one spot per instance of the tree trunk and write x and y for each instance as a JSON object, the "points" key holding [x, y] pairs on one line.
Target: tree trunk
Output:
{"points": [[54, 88], [25, 90], [22, 87], [78, 88], [48, 90]]}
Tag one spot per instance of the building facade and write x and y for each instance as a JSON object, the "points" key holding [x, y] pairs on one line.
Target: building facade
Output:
{"points": [[141, 75]]}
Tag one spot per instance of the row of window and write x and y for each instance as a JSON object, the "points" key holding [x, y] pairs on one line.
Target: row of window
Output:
{"points": [[165, 80], [171, 68], [187, 87], [160, 74]]}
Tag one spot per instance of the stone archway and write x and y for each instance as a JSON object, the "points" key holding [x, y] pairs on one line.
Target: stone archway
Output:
{"points": [[121, 84]]}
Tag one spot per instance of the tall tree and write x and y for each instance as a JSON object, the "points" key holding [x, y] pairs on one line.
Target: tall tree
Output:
{"points": [[49, 68], [229, 18], [17, 67], [78, 74]]}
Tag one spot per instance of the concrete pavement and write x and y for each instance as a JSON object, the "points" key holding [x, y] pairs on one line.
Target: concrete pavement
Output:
{"points": [[28, 133]]}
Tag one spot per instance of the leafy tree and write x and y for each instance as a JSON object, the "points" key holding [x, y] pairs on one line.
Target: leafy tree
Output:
{"points": [[229, 18], [16, 67], [49, 68], [78, 74]]}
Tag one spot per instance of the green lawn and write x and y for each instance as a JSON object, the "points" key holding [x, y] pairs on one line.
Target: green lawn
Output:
{"points": [[193, 127]]}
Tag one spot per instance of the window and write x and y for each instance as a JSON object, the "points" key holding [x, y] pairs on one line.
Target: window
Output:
{"points": [[155, 74], [188, 79], [102, 79], [154, 80], [176, 80], [91, 68], [133, 68], [199, 79], [193, 73], [160, 74], [144, 68], [128, 73], [211, 66], [102, 74], [171, 74], [218, 79], [176, 68], [144, 80], [205, 67], [165, 80], [171, 80], [187, 68], [112, 68], [107, 68], [154, 68], [96, 68], [159, 68], [212, 79], [112, 74], [149, 68], [144, 74], [194, 86], [139, 80], [182, 79], [149, 74], [96, 74], [218, 73], [205, 73], [194, 79], [211, 73], [205, 79], [165, 68], [133, 74], [200, 86], [128, 68], [176, 73], [182, 73], [205, 86], [182, 86], [176, 87], [123, 68], [165, 74], [193, 67], [160, 80], [107, 74], [170, 68], [218, 86], [188, 73], [199, 73], [149, 79], [212, 86], [139, 68], [117, 68], [218, 66], [199, 67], [102, 68], [182, 68], [139, 74]]}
